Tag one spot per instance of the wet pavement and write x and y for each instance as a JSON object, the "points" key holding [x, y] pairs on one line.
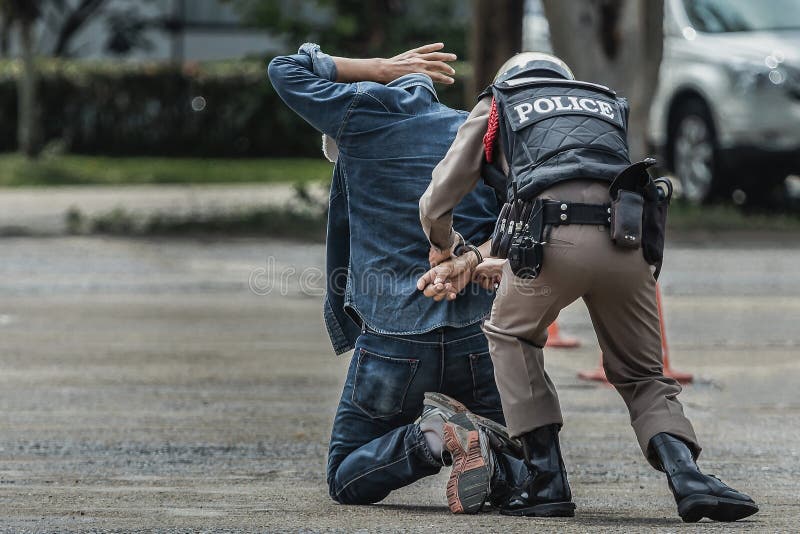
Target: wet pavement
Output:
{"points": [[186, 385]]}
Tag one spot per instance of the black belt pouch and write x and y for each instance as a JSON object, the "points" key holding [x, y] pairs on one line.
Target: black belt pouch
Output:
{"points": [[525, 258], [654, 221], [499, 230], [627, 219]]}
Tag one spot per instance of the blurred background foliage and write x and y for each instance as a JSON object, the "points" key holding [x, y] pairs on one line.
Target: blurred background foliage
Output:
{"points": [[54, 167], [177, 108], [216, 109], [377, 28], [225, 109], [106, 91]]}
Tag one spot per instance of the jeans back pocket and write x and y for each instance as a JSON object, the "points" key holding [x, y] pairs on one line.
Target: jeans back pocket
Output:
{"points": [[381, 383]]}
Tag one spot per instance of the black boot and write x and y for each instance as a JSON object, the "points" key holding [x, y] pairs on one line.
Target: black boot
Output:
{"points": [[545, 491], [510, 472], [697, 495]]}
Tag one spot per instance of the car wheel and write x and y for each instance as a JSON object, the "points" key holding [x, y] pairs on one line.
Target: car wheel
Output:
{"points": [[694, 153]]}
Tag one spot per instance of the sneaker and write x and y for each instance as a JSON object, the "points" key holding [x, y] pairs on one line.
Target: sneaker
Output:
{"points": [[433, 419], [498, 434], [473, 464]]}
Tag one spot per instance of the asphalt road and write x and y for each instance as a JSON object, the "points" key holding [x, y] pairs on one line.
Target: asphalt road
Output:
{"points": [[166, 385]]}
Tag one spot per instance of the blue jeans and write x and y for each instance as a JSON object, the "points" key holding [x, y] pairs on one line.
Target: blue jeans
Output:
{"points": [[375, 446]]}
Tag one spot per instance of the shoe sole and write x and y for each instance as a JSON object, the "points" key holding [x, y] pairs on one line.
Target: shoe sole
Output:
{"points": [[555, 509], [442, 401], [695, 507], [468, 486]]}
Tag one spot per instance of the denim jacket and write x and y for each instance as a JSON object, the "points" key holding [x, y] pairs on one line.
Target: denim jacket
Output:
{"points": [[390, 137]]}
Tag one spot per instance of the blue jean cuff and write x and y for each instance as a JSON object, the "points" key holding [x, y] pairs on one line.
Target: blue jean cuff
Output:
{"points": [[423, 451]]}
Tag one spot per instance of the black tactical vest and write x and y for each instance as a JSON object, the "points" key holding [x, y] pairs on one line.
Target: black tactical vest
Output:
{"points": [[554, 130]]}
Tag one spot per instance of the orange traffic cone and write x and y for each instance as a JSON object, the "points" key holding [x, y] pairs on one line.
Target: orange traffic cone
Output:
{"points": [[555, 340], [683, 378], [598, 374]]}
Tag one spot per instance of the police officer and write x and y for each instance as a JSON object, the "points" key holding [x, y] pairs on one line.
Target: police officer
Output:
{"points": [[562, 143]]}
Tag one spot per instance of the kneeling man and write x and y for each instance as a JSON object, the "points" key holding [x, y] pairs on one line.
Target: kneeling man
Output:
{"points": [[385, 130]]}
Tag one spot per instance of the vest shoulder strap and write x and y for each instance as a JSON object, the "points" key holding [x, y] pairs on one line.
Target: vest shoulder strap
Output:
{"points": [[486, 92], [516, 83]]}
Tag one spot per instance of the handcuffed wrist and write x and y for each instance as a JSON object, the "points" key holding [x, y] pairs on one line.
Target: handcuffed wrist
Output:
{"points": [[469, 253], [478, 256]]}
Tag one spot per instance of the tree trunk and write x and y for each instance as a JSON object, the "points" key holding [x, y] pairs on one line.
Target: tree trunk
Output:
{"points": [[376, 16], [618, 43], [5, 30], [27, 130], [496, 36]]}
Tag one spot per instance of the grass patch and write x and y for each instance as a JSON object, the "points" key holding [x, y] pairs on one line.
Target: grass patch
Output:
{"points": [[271, 221], [52, 170], [304, 218], [684, 217]]}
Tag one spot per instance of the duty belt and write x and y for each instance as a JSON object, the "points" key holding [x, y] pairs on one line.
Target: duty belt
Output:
{"points": [[558, 213], [637, 217], [527, 220], [524, 246]]}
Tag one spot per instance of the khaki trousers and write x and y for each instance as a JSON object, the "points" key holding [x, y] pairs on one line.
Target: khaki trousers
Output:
{"points": [[617, 285]]}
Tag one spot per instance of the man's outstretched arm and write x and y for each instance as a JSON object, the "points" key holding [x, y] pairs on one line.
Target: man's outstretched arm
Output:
{"points": [[427, 59], [321, 88], [306, 82]]}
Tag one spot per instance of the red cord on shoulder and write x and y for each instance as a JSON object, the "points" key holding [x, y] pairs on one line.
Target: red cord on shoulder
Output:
{"points": [[490, 138]]}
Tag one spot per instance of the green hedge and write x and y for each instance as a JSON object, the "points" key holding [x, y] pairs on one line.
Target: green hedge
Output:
{"points": [[146, 109]]}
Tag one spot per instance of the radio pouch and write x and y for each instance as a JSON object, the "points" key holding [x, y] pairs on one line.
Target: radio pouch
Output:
{"points": [[525, 258], [653, 200], [626, 219], [657, 198]]}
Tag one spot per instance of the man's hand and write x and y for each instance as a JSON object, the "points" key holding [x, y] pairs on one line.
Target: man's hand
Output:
{"points": [[446, 279], [489, 273], [436, 256], [423, 60]]}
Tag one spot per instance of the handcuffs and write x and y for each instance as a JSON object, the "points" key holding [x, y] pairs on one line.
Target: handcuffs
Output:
{"points": [[464, 246]]}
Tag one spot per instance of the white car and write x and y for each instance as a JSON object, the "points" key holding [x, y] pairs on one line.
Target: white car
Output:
{"points": [[726, 114]]}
